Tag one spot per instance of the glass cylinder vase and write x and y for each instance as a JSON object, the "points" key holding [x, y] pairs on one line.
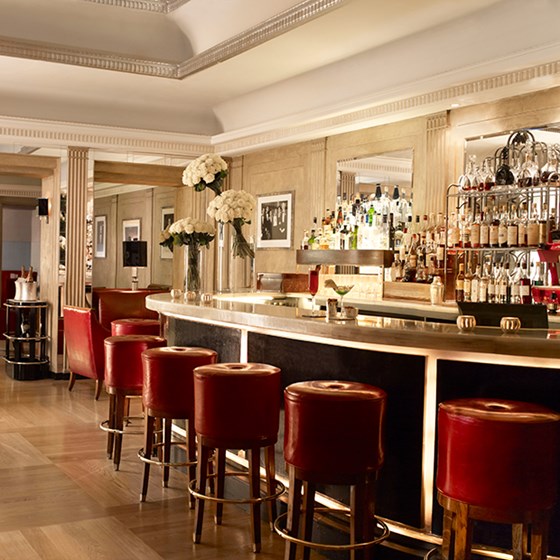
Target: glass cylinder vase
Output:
{"points": [[193, 272], [223, 259], [241, 270]]}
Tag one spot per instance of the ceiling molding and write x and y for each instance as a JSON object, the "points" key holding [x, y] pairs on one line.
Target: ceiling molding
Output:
{"points": [[534, 78], [19, 191], [269, 29], [257, 35], [157, 6], [45, 133], [90, 58]]}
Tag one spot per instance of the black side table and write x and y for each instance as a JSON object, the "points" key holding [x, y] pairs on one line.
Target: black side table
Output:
{"points": [[26, 340]]}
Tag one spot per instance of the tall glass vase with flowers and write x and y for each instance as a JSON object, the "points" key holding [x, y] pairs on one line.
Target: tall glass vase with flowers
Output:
{"points": [[235, 208], [206, 172], [193, 235]]}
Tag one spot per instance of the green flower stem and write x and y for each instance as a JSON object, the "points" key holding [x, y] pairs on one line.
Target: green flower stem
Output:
{"points": [[241, 247], [193, 267]]}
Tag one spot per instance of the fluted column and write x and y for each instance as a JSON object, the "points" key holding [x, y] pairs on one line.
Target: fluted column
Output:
{"points": [[347, 185], [437, 159], [76, 207]]}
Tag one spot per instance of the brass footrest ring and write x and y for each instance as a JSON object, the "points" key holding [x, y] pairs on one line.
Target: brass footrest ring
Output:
{"points": [[105, 426], [280, 489], [352, 546], [142, 457]]}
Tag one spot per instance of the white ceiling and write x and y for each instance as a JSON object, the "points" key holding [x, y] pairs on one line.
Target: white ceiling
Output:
{"points": [[351, 55]]}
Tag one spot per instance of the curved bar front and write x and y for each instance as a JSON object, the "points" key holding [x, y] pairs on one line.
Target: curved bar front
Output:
{"points": [[419, 364]]}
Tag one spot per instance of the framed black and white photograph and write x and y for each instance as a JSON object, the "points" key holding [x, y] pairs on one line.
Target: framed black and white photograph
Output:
{"points": [[131, 230], [167, 218], [100, 225], [274, 221]]}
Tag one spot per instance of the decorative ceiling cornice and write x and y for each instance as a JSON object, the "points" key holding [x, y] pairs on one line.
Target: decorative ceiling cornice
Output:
{"points": [[85, 57], [258, 34], [91, 58], [158, 6]]}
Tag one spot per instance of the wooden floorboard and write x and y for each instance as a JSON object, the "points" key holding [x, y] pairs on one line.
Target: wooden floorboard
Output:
{"points": [[60, 497]]}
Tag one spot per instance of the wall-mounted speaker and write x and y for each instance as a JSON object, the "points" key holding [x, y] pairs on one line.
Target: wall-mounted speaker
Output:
{"points": [[42, 206]]}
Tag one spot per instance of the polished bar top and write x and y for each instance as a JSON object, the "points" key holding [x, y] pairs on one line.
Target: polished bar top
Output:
{"points": [[252, 312]]}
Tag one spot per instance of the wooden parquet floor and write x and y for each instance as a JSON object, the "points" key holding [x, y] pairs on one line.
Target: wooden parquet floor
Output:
{"points": [[60, 498]]}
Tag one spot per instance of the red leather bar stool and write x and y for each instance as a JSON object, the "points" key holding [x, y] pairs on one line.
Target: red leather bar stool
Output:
{"points": [[121, 327], [123, 379], [497, 462], [236, 406], [333, 435], [168, 395]]}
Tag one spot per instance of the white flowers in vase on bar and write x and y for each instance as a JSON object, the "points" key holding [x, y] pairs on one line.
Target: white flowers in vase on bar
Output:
{"points": [[189, 231], [206, 171], [236, 208]]}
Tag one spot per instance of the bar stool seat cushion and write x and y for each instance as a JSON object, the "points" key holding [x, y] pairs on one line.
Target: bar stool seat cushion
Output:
{"points": [[498, 454], [123, 361], [168, 381], [135, 325], [238, 397], [334, 428]]}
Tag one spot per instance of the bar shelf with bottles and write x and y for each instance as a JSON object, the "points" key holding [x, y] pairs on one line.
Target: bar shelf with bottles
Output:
{"points": [[502, 233]]}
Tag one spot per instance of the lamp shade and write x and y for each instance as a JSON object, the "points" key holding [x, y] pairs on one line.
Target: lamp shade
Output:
{"points": [[135, 253]]}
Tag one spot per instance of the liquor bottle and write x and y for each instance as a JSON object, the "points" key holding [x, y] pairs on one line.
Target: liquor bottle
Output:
{"points": [[485, 228], [453, 235], [504, 175], [543, 227], [475, 285], [465, 232], [533, 228], [502, 284], [475, 232], [512, 228], [305, 240], [493, 235], [460, 283], [529, 174], [522, 226], [515, 285], [525, 285], [467, 285], [502, 228], [491, 290], [483, 285], [312, 241], [354, 237]]}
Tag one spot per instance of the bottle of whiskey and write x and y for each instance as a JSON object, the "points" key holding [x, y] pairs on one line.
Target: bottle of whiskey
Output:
{"points": [[460, 283]]}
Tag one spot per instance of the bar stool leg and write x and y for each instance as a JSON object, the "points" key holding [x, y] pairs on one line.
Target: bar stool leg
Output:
{"points": [[148, 444], [254, 476], [463, 533], [98, 387], [120, 404], [191, 457], [220, 483], [448, 542], [294, 509], [519, 541], [539, 538], [111, 425], [201, 478], [362, 513], [166, 450], [308, 509], [270, 468]]}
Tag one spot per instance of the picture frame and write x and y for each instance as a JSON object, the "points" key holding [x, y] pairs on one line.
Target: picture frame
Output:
{"points": [[131, 230], [167, 218], [275, 217], [100, 230]]}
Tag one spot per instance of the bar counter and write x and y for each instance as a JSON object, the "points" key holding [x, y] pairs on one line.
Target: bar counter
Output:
{"points": [[418, 363]]}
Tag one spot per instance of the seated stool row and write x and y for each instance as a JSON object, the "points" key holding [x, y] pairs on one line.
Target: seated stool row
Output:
{"points": [[498, 460]]}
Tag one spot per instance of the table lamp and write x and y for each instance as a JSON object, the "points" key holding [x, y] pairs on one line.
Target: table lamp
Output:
{"points": [[135, 254]]}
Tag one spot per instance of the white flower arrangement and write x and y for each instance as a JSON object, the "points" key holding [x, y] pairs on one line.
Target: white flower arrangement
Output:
{"points": [[231, 205], [236, 208], [188, 231], [205, 171]]}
